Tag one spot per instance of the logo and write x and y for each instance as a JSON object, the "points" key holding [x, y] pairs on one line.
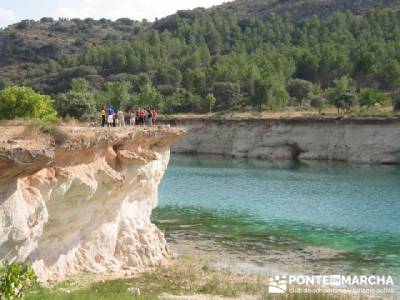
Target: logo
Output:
{"points": [[372, 284], [278, 285]]}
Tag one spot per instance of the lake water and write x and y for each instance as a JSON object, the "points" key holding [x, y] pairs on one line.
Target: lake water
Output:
{"points": [[322, 217]]}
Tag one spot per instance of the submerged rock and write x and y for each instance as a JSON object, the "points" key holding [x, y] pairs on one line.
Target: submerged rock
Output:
{"points": [[84, 205]]}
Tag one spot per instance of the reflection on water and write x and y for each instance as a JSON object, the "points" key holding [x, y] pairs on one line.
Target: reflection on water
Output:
{"points": [[273, 209]]}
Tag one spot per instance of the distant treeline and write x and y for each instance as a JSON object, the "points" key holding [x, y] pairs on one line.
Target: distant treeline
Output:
{"points": [[176, 63]]}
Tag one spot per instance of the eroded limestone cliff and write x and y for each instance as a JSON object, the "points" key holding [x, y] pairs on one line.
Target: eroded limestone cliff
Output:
{"points": [[366, 140], [84, 205]]}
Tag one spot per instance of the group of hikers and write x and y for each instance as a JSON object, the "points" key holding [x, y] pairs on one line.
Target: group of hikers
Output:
{"points": [[140, 116]]}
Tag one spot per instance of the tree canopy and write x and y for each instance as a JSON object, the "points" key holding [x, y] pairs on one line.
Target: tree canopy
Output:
{"points": [[23, 102], [245, 61]]}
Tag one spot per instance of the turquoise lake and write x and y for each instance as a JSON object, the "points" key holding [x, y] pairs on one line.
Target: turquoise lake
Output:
{"points": [[257, 207]]}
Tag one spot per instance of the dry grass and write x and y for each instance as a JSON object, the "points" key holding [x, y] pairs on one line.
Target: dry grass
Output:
{"points": [[187, 278], [291, 112]]}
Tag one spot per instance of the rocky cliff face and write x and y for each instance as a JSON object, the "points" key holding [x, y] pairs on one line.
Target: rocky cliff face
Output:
{"points": [[84, 205], [353, 140]]}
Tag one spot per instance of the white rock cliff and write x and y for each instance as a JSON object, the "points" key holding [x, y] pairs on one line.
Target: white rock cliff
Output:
{"points": [[84, 205]]}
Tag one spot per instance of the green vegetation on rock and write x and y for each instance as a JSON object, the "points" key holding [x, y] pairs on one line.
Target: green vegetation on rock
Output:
{"points": [[15, 280]]}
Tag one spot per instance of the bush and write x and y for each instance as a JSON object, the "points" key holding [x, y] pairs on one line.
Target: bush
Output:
{"points": [[23, 24], [77, 102], [23, 102], [370, 96], [183, 101], [396, 105], [15, 279], [345, 102], [228, 94], [46, 20], [299, 89], [318, 102]]}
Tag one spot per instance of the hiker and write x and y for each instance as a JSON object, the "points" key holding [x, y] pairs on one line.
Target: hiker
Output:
{"points": [[110, 117], [148, 119], [132, 118], [115, 118], [154, 115], [121, 118], [103, 117], [142, 116]]}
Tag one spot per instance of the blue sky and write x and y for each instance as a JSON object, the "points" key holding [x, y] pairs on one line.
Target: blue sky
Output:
{"points": [[12, 11]]}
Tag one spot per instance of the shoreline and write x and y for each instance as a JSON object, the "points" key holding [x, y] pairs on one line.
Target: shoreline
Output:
{"points": [[190, 276], [246, 265]]}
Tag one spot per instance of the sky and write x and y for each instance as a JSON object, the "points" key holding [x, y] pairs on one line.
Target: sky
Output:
{"points": [[12, 11]]}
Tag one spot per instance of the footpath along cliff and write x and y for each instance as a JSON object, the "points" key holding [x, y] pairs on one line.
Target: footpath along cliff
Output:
{"points": [[364, 140], [83, 204]]}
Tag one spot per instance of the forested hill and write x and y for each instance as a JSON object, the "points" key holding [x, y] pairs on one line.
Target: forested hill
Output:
{"points": [[302, 9], [248, 54]]}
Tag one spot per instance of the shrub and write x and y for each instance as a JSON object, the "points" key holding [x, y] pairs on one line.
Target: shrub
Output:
{"points": [[182, 101], [299, 89], [23, 102], [341, 86], [77, 102], [345, 102], [211, 101], [15, 279], [318, 102], [396, 105], [370, 96], [23, 24], [46, 20], [228, 94]]}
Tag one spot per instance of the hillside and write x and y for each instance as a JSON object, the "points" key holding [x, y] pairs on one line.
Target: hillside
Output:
{"points": [[303, 9], [248, 54], [38, 41]]}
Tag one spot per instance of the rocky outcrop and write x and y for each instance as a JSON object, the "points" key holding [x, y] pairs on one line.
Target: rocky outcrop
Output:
{"points": [[84, 205], [368, 140]]}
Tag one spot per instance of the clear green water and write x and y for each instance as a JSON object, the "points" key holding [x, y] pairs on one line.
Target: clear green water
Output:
{"points": [[259, 206]]}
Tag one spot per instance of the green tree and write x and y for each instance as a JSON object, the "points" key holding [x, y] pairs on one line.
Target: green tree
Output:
{"points": [[318, 103], [211, 101], [79, 85], [149, 96], [391, 75], [345, 102], [370, 96], [269, 91], [228, 94], [78, 102], [117, 93], [396, 102], [23, 102], [262, 93], [299, 89], [341, 86], [183, 101]]}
